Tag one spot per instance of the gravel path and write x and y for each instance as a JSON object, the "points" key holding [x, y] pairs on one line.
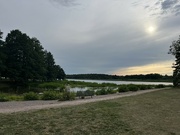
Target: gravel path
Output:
{"points": [[20, 106]]}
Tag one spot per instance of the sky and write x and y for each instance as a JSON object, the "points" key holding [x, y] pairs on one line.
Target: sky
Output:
{"points": [[119, 37]]}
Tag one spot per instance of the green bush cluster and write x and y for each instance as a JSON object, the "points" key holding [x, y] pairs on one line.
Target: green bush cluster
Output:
{"points": [[123, 88], [52, 86], [160, 86], [3, 97], [133, 87], [67, 95], [50, 95], [31, 96], [105, 91]]}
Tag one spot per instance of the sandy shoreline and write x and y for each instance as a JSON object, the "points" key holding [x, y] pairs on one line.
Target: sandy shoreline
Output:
{"points": [[20, 106]]}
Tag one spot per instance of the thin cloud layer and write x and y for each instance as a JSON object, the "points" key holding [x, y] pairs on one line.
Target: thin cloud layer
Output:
{"points": [[99, 36], [66, 3]]}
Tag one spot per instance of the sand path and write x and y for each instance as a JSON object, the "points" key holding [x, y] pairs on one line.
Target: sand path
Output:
{"points": [[20, 106]]}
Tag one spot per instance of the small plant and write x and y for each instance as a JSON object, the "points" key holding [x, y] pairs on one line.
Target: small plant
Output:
{"points": [[159, 86], [133, 87], [123, 88], [50, 95], [101, 92], [3, 97], [67, 95], [142, 87], [111, 91], [31, 96]]}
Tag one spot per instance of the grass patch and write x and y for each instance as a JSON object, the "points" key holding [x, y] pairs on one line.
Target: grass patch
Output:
{"points": [[155, 113]]}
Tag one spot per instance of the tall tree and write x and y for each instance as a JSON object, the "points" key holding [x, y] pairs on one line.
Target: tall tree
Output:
{"points": [[50, 66], [60, 74], [175, 50], [16, 49], [36, 60]]}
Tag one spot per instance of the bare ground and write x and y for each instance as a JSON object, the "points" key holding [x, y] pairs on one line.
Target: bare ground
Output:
{"points": [[20, 106]]}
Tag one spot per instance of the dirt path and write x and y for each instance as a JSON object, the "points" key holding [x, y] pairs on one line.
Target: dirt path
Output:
{"points": [[20, 106]]}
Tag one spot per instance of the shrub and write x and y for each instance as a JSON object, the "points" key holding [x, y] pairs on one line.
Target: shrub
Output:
{"points": [[67, 95], [31, 96], [3, 97], [111, 91], [143, 87], [101, 92], [133, 87], [123, 88], [159, 86], [49, 95], [15, 97]]}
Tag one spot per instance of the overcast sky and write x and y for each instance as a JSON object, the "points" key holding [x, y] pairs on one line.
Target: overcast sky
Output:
{"points": [[99, 36]]}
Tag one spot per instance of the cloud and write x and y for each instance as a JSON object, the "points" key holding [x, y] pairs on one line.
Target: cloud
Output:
{"points": [[66, 3], [160, 68], [163, 8], [168, 4]]}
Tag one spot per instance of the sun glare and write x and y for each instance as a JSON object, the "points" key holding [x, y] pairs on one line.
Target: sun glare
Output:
{"points": [[151, 29]]}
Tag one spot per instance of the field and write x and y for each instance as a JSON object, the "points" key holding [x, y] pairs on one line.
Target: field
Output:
{"points": [[156, 113]]}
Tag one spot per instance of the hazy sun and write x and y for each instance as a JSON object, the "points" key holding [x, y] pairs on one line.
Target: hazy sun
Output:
{"points": [[151, 29]]}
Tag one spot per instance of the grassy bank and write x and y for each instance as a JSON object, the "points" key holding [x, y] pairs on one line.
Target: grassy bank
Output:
{"points": [[155, 113]]}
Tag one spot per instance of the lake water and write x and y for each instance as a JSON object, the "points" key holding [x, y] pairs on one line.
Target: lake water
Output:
{"points": [[123, 82]]}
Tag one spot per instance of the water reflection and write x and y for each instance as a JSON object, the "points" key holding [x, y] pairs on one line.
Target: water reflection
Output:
{"points": [[122, 82]]}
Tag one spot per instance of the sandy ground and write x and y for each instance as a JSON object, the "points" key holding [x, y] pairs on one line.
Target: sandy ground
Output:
{"points": [[20, 106]]}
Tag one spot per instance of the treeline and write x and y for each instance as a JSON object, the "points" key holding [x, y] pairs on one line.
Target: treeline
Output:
{"points": [[155, 77], [23, 59]]}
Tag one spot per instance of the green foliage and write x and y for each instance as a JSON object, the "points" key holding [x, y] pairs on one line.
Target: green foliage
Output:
{"points": [[159, 86], [101, 92], [31, 96], [50, 95], [142, 87], [123, 88], [175, 50], [133, 87], [67, 95], [3, 97], [111, 91], [53, 85], [23, 59]]}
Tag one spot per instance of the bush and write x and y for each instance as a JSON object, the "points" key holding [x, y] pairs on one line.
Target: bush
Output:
{"points": [[133, 87], [67, 95], [49, 95], [3, 97], [15, 97], [111, 91], [101, 92], [123, 88], [142, 87], [159, 86], [31, 96]]}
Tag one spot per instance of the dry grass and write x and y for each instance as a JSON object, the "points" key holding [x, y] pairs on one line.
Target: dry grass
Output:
{"points": [[156, 113]]}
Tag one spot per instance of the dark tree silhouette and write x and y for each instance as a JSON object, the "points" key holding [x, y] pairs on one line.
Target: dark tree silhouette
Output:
{"points": [[175, 51]]}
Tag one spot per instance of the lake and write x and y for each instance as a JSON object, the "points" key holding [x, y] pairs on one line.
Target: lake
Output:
{"points": [[122, 82]]}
